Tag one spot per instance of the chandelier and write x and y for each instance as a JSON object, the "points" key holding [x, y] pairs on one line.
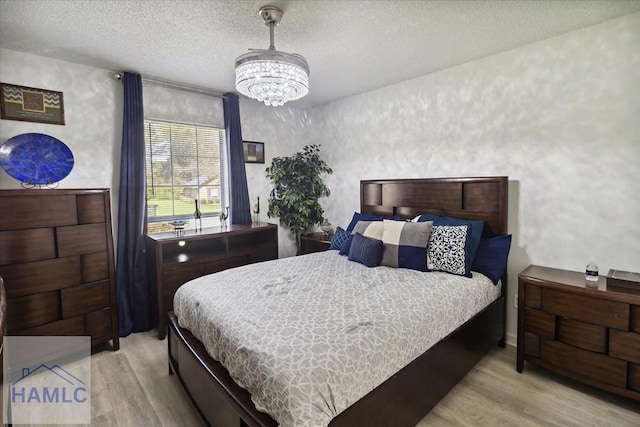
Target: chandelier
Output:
{"points": [[271, 76]]}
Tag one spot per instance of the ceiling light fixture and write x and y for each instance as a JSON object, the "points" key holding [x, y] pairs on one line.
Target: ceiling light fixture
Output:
{"points": [[271, 76]]}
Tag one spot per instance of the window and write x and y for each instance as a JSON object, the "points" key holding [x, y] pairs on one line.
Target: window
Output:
{"points": [[184, 163]]}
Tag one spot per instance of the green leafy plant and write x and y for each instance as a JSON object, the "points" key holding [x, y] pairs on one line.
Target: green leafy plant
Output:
{"points": [[297, 186]]}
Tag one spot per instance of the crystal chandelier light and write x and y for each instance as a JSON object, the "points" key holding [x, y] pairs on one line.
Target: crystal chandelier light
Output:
{"points": [[271, 76]]}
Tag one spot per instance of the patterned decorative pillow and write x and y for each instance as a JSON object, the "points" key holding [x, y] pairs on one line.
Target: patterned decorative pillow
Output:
{"points": [[446, 250], [339, 237], [365, 250], [405, 244], [372, 229], [344, 249], [474, 232]]}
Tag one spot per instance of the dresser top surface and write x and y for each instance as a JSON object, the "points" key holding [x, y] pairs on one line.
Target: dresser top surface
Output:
{"points": [[210, 232], [576, 281], [318, 236]]}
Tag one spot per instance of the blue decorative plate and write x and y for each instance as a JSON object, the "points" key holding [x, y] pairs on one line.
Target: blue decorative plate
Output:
{"points": [[36, 158]]}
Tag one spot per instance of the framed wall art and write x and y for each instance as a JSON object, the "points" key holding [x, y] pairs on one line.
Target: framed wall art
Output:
{"points": [[31, 104], [253, 151]]}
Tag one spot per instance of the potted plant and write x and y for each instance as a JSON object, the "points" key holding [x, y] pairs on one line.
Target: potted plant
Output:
{"points": [[297, 186]]}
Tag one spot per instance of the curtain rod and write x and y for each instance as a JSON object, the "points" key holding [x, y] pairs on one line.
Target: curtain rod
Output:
{"points": [[154, 81]]}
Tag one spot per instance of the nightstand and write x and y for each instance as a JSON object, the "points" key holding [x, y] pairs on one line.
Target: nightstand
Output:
{"points": [[589, 334], [314, 242]]}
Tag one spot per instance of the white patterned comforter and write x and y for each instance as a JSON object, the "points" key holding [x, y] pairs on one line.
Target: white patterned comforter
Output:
{"points": [[308, 336]]}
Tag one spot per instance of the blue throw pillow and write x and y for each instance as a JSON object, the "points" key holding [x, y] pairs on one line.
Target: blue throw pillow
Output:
{"points": [[365, 217], [362, 217], [370, 229], [474, 232], [491, 258], [344, 249], [405, 244], [339, 237], [365, 250]]}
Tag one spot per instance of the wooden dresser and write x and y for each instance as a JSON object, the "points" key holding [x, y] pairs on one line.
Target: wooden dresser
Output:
{"points": [[173, 260], [3, 315], [589, 334], [56, 258]]}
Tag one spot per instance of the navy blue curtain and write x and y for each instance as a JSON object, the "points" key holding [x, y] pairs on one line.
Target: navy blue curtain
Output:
{"points": [[239, 199], [137, 304]]}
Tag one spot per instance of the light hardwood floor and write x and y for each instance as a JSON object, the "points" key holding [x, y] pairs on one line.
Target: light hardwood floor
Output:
{"points": [[132, 387]]}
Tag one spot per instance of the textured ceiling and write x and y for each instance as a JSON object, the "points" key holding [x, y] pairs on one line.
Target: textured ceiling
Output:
{"points": [[352, 46]]}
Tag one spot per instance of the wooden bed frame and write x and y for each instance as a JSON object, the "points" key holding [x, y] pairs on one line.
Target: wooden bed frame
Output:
{"points": [[410, 394]]}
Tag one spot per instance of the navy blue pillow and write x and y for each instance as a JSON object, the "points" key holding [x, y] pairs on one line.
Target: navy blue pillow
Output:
{"points": [[365, 217], [339, 237], [344, 249], [365, 250], [491, 257], [362, 217], [474, 233]]}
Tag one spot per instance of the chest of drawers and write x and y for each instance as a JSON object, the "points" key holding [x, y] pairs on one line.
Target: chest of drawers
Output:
{"points": [[56, 259], [589, 334]]}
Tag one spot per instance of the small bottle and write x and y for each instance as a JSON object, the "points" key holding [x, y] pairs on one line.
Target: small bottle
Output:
{"points": [[197, 215], [591, 273], [256, 212]]}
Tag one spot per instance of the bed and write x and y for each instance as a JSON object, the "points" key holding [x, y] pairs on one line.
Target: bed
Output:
{"points": [[404, 395]]}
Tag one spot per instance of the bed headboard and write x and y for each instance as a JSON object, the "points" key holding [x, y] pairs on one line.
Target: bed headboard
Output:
{"points": [[484, 198]]}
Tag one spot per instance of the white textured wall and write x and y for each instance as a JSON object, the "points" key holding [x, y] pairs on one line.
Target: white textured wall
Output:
{"points": [[561, 118], [182, 106], [283, 132], [93, 118]]}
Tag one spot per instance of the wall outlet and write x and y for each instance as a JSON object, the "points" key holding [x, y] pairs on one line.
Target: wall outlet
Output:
{"points": [[515, 300]]}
